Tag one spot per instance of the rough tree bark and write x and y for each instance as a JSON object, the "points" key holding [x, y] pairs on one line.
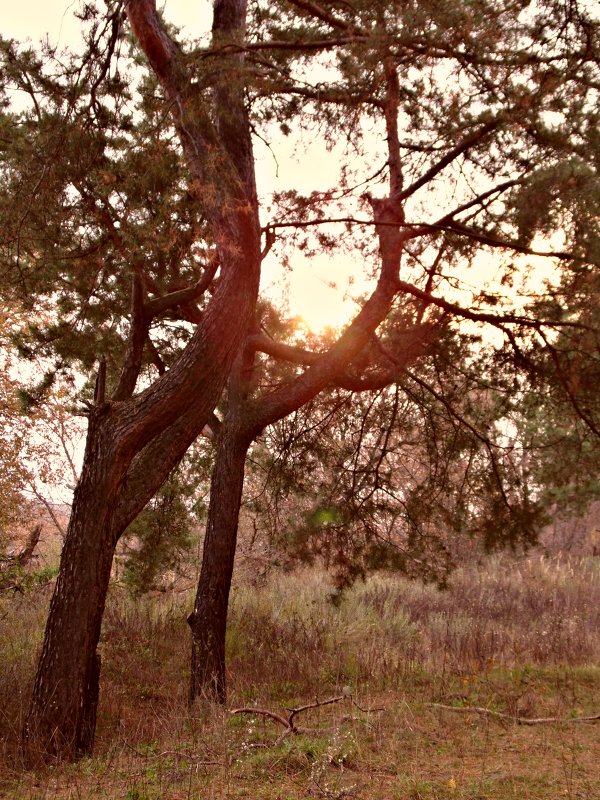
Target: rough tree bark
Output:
{"points": [[134, 441], [208, 620]]}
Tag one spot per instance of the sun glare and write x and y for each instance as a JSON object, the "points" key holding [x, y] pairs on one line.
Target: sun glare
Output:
{"points": [[318, 293]]}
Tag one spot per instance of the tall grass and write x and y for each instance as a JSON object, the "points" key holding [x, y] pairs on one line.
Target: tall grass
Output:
{"points": [[288, 640], [506, 612]]}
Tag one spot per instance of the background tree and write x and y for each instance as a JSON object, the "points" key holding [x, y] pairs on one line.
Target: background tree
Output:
{"points": [[158, 546], [14, 475]]}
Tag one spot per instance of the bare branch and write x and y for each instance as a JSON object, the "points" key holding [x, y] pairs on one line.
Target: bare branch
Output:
{"points": [[51, 513], [138, 332], [288, 723], [458, 151], [269, 408], [480, 199], [511, 718], [264, 712], [324, 94]]}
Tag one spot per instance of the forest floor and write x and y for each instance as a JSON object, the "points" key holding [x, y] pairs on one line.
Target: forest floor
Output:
{"points": [[432, 692]]}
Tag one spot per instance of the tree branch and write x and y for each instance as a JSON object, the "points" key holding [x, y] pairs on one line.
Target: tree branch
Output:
{"points": [[288, 723], [155, 356], [267, 409], [219, 157], [161, 51], [565, 383], [416, 229], [282, 44], [48, 506], [488, 712], [100, 387], [458, 151], [138, 332], [283, 352], [158, 305], [319, 12], [499, 320]]}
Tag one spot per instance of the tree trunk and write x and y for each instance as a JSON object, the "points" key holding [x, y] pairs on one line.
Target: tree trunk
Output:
{"points": [[121, 472], [62, 715], [208, 620]]}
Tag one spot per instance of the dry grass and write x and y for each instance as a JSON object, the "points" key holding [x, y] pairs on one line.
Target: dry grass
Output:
{"points": [[506, 613], [519, 637]]}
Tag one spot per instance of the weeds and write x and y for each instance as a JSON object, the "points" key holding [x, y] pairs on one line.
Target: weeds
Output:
{"points": [[519, 638]]}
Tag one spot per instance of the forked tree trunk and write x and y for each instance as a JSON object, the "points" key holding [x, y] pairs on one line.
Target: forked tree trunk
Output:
{"points": [[208, 620], [245, 419], [121, 473], [134, 441]]}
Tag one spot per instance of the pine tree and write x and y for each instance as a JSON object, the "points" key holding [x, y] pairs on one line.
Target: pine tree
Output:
{"points": [[488, 116]]}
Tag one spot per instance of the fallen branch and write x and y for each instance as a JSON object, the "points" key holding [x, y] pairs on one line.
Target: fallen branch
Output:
{"points": [[512, 718], [288, 723]]}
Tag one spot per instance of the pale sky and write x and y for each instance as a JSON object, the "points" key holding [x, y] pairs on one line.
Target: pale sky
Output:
{"points": [[35, 18]]}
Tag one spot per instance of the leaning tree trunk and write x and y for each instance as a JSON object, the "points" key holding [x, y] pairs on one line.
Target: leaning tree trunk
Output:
{"points": [[62, 716], [117, 481], [131, 448], [208, 620]]}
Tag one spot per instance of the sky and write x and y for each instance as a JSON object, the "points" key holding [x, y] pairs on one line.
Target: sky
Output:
{"points": [[35, 18]]}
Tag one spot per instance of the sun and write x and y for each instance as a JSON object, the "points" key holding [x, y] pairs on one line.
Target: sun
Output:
{"points": [[318, 293]]}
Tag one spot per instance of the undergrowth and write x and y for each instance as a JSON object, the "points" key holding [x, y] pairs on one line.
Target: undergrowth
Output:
{"points": [[519, 637]]}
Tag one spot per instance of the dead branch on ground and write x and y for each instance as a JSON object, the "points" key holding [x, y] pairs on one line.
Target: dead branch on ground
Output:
{"points": [[511, 717], [288, 722]]}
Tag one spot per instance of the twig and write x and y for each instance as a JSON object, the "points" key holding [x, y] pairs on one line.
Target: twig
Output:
{"points": [[316, 704], [512, 718]]}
